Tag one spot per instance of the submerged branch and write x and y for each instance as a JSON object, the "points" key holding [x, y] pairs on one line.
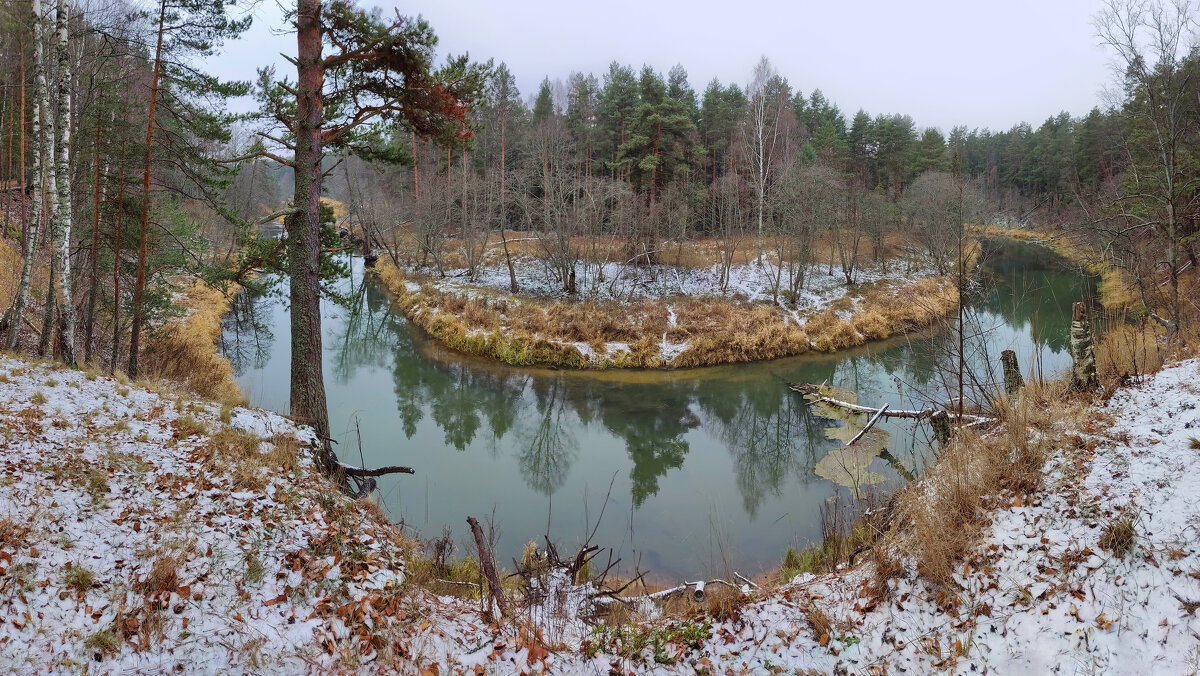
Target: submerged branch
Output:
{"points": [[815, 391]]}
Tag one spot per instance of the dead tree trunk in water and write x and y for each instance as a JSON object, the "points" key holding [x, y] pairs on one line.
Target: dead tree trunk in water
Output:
{"points": [[1083, 352], [1012, 374]]}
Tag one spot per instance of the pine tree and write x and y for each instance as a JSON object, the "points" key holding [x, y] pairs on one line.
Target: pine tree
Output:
{"points": [[377, 72], [187, 29]]}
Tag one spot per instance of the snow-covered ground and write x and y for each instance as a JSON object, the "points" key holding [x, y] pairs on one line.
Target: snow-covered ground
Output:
{"points": [[622, 283], [189, 568], [122, 550]]}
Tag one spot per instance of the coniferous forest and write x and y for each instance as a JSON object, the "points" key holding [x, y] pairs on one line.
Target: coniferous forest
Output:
{"points": [[922, 340]]}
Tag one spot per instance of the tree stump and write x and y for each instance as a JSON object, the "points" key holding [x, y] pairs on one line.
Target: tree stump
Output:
{"points": [[1083, 351], [940, 422], [1013, 382]]}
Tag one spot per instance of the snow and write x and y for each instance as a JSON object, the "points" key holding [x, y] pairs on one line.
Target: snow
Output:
{"points": [[624, 283], [618, 283], [123, 550], [99, 475]]}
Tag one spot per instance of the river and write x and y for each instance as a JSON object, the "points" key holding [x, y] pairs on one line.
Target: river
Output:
{"points": [[683, 473]]}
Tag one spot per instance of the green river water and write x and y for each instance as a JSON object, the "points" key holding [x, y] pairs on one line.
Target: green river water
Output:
{"points": [[708, 468]]}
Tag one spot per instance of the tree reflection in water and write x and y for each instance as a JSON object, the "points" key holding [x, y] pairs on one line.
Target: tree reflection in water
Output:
{"points": [[677, 441]]}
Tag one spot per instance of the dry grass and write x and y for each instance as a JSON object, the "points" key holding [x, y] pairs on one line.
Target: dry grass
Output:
{"points": [[250, 463], [1119, 535], [184, 350], [692, 253], [527, 332], [1129, 350], [943, 512]]}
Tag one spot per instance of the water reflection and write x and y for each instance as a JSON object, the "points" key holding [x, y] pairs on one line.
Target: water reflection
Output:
{"points": [[683, 449]]}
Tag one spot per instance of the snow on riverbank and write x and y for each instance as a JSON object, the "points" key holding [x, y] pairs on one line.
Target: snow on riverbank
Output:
{"points": [[1039, 593], [664, 316], [130, 542], [622, 283], [133, 540]]}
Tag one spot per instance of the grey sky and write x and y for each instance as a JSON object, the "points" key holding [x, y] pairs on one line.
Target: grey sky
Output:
{"points": [[945, 62]]}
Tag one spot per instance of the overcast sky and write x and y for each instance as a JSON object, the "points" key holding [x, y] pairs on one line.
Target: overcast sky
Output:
{"points": [[945, 62]]}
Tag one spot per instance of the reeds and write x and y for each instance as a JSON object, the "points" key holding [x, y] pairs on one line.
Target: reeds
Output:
{"points": [[184, 351]]}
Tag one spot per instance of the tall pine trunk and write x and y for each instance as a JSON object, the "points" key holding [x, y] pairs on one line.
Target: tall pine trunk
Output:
{"points": [[116, 313], [17, 316], [139, 288], [93, 285], [303, 229]]}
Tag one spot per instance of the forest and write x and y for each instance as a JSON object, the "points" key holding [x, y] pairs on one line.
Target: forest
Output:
{"points": [[776, 221], [945, 370]]}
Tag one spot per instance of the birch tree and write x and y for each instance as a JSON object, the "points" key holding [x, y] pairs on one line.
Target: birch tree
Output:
{"points": [[37, 139], [767, 100], [59, 302]]}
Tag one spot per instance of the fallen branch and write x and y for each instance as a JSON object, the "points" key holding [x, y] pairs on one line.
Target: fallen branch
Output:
{"points": [[870, 423], [489, 569], [815, 391], [351, 470]]}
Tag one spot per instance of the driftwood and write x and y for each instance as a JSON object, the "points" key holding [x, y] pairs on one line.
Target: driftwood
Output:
{"points": [[870, 423], [351, 470], [696, 588], [489, 569], [815, 391]]}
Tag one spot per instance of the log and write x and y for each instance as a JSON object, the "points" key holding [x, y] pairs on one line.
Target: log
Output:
{"points": [[813, 390], [489, 569], [351, 470]]}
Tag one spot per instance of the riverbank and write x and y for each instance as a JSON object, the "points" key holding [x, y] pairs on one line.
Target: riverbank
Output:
{"points": [[1116, 290], [671, 316], [145, 529]]}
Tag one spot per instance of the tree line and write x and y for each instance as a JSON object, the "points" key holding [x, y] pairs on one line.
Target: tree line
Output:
{"points": [[123, 169]]}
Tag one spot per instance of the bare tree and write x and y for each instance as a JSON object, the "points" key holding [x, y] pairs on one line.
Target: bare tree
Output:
{"points": [[761, 135], [1157, 66]]}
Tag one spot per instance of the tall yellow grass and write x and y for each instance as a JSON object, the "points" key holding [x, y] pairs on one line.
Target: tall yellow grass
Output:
{"points": [[941, 514], [526, 332], [184, 350], [1115, 288]]}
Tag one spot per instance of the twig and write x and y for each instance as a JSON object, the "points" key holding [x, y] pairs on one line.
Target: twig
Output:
{"points": [[744, 579]]}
